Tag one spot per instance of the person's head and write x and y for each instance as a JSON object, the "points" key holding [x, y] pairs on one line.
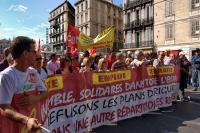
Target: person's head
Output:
{"points": [[44, 62], [129, 54], [38, 61], [139, 55], [128, 61], [112, 56], [96, 59], [23, 50], [53, 57], [182, 55], [103, 64], [75, 59], [65, 62], [153, 55], [10, 60], [172, 56], [87, 62], [147, 56], [86, 54], [120, 57], [167, 53], [6, 52], [106, 56], [161, 55], [197, 51]]}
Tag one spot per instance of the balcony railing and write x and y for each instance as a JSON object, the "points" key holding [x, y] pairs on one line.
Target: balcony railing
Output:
{"points": [[141, 44], [147, 43], [147, 1], [136, 3], [59, 42], [56, 33], [133, 25], [147, 21], [129, 25]]}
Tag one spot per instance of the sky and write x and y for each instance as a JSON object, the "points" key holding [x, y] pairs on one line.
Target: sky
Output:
{"points": [[28, 17]]}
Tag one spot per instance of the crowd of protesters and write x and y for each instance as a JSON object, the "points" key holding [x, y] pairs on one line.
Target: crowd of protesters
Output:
{"points": [[115, 61], [16, 61]]}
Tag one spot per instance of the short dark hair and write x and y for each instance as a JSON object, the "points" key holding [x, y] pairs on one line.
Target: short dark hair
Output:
{"points": [[19, 45], [52, 55], [86, 53]]}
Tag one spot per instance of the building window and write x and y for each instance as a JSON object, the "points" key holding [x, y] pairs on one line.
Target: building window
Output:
{"points": [[128, 19], [195, 4], [147, 13], [61, 18], [169, 8], [77, 9], [63, 38], [137, 39], [86, 17], [195, 28], [137, 17], [86, 4], [63, 27], [81, 7], [81, 19], [77, 21], [169, 31], [148, 37]]}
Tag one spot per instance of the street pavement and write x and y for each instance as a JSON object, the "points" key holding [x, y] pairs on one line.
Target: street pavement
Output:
{"points": [[194, 95], [182, 117]]}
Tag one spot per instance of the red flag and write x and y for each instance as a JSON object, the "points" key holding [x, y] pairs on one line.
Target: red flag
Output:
{"points": [[38, 47], [74, 51], [93, 52], [72, 36]]}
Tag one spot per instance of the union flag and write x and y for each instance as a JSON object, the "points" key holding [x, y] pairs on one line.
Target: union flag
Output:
{"points": [[72, 36]]}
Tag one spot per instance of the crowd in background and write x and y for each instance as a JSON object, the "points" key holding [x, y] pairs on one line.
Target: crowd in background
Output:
{"points": [[190, 70]]}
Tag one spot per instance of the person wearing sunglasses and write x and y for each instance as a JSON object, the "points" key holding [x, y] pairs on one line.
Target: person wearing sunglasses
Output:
{"points": [[42, 71], [20, 79]]}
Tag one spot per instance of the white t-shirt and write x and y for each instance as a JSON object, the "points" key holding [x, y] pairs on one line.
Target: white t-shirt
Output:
{"points": [[13, 81], [136, 63], [52, 67]]}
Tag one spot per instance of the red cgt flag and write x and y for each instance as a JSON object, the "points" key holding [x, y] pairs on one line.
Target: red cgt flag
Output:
{"points": [[72, 36]]}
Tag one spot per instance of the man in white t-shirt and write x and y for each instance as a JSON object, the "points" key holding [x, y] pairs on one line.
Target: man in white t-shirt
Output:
{"points": [[53, 65], [138, 59], [20, 78]]}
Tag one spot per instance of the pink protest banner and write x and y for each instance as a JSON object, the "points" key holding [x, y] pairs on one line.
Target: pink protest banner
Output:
{"points": [[79, 102]]}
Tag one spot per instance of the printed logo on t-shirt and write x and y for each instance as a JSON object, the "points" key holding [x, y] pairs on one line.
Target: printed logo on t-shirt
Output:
{"points": [[32, 78], [30, 83]]}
